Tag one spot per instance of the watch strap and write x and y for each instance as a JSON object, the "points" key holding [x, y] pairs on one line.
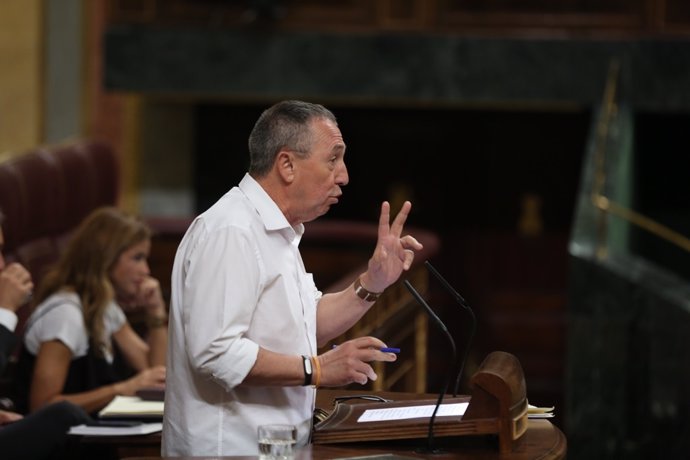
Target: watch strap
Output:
{"points": [[308, 370], [365, 294]]}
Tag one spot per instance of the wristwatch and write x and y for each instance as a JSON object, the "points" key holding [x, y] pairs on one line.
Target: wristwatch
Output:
{"points": [[362, 293], [308, 371]]}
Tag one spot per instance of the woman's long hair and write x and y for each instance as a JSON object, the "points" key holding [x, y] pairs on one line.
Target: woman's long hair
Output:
{"points": [[85, 265]]}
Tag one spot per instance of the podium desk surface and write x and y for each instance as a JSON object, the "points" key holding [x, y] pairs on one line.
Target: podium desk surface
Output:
{"points": [[542, 440]]}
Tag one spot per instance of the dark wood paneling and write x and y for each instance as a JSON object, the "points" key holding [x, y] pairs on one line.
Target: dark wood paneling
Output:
{"points": [[495, 17], [131, 11], [676, 13], [542, 14]]}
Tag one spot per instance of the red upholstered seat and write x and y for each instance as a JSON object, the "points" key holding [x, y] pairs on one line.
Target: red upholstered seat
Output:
{"points": [[46, 192]]}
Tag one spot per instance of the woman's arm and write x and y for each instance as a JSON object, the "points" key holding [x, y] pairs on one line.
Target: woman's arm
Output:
{"points": [[141, 354], [50, 373], [138, 353]]}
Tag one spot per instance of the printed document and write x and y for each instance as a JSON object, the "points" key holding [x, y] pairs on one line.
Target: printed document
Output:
{"points": [[402, 413]]}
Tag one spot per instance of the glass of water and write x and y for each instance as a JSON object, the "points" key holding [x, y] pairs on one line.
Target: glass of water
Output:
{"points": [[277, 442]]}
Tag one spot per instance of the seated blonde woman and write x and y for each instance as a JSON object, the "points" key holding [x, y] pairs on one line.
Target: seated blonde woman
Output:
{"points": [[78, 324]]}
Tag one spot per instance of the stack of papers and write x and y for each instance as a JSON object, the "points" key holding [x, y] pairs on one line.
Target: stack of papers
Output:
{"points": [[101, 430], [539, 412], [132, 407]]}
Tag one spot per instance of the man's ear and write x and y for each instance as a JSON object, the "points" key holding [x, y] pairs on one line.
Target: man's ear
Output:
{"points": [[286, 165]]}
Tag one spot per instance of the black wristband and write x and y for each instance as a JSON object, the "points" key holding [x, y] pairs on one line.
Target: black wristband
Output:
{"points": [[308, 371]]}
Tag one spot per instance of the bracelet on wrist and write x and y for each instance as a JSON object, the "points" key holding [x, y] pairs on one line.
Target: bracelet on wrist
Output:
{"points": [[363, 293], [156, 321], [317, 371]]}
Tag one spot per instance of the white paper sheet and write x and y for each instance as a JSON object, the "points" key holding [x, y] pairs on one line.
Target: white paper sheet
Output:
{"points": [[144, 428], [401, 413]]}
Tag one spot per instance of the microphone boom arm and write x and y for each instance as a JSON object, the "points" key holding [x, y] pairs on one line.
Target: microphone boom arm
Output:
{"points": [[443, 327], [461, 300]]}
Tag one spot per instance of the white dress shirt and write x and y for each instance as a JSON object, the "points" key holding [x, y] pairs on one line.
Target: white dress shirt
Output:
{"points": [[238, 283]]}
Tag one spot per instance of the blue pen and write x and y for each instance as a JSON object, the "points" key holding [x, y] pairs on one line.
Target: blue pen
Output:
{"points": [[389, 350], [384, 349]]}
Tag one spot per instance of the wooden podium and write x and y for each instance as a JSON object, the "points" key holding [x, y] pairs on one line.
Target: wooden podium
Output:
{"points": [[497, 406]]}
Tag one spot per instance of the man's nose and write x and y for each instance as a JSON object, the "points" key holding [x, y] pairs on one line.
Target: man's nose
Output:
{"points": [[342, 178]]}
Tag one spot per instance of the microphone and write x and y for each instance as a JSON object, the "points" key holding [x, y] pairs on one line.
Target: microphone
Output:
{"points": [[460, 299], [439, 323]]}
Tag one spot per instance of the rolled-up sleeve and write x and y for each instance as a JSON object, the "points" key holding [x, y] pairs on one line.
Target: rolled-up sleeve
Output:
{"points": [[220, 296]]}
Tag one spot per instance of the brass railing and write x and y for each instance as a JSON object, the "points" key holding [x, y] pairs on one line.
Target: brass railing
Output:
{"points": [[599, 199]]}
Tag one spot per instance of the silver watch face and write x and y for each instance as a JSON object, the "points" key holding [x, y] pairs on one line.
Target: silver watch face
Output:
{"points": [[307, 365]]}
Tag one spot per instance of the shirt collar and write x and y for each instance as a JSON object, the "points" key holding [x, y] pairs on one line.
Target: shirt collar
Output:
{"points": [[8, 318], [269, 212]]}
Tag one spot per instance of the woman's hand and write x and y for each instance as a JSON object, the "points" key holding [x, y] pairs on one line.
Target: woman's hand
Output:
{"points": [[153, 377], [7, 417], [149, 297]]}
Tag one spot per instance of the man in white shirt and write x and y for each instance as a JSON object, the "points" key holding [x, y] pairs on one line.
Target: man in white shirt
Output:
{"points": [[246, 318]]}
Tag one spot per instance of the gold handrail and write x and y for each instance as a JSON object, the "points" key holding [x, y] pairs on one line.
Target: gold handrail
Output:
{"points": [[602, 202], [609, 110], [642, 221]]}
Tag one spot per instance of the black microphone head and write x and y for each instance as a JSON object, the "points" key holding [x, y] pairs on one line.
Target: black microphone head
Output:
{"points": [[461, 300], [426, 306]]}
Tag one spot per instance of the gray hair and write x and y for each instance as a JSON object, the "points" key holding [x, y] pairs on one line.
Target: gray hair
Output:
{"points": [[286, 124]]}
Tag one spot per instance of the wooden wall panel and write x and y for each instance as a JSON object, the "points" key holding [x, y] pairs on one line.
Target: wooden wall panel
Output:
{"points": [[676, 13], [334, 14], [218, 13], [131, 11], [496, 17], [407, 15], [542, 14]]}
